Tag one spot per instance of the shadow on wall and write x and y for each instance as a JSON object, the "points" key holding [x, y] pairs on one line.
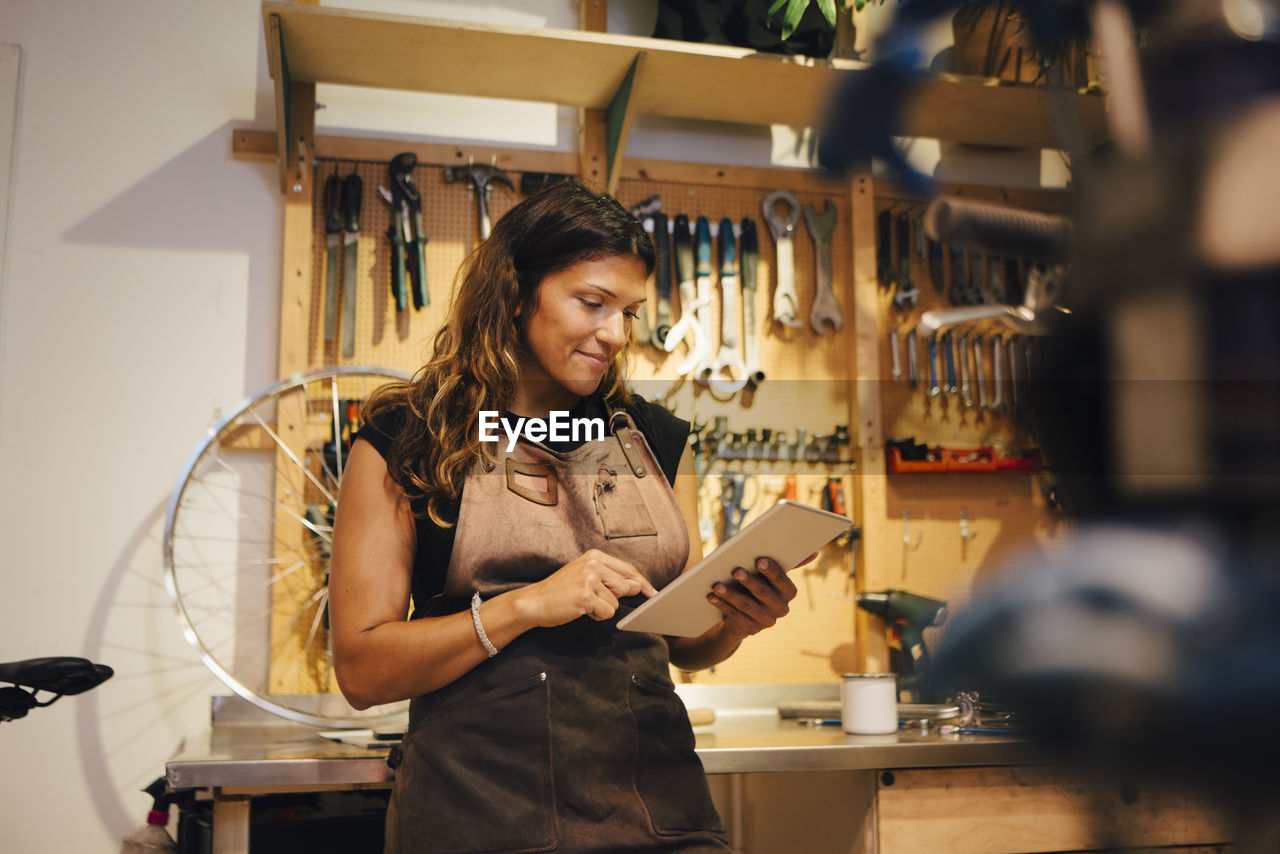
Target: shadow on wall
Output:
{"points": [[204, 201], [128, 728]]}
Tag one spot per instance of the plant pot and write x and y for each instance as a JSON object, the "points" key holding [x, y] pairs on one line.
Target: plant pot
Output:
{"points": [[993, 39]]}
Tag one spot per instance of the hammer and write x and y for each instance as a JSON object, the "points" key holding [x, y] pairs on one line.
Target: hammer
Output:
{"points": [[481, 176]]}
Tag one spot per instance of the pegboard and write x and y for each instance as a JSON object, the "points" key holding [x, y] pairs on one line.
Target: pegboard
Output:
{"points": [[950, 535], [807, 386], [810, 385], [385, 336]]}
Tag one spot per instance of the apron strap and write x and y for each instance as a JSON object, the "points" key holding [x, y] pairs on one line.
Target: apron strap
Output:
{"points": [[629, 438]]}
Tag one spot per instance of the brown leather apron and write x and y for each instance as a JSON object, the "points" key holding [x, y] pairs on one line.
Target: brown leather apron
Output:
{"points": [[571, 739]]}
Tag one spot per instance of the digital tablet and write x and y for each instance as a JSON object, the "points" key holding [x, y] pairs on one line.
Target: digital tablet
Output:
{"points": [[788, 532]]}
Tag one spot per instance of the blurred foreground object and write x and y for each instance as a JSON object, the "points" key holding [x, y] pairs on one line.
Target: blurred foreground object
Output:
{"points": [[1151, 643]]}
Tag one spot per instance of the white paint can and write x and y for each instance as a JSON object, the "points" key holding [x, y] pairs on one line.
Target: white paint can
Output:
{"points": [[869, 703]]}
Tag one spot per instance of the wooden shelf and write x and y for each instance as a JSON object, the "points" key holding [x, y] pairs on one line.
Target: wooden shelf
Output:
{"points": [[312, 44]]}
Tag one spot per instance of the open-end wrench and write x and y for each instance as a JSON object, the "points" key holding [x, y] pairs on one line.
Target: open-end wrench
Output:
{"points": [[687, 325], [728, 358], [783, 228], [895, 351], [906, 294], [997, 365], [934, 388], [913, 360], [826, 308], [980, 370], [949, 353], [962, 353], [748, 260]]}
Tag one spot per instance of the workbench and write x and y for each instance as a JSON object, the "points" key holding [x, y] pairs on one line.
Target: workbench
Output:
{"points": [[779, 784], [244, 754]]}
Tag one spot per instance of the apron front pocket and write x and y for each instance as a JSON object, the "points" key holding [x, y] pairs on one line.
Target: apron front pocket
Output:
{"points": [[476, 776], [668, 776], [621, 507]]}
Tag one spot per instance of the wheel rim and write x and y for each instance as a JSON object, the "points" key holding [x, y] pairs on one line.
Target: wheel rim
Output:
{"points": [[246, 540]]}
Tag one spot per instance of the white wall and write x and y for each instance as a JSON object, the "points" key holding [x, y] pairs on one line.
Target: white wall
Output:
{"points": [[139, 299]]}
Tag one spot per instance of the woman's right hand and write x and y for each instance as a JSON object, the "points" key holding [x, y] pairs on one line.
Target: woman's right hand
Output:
{"points": [[590, 584]]}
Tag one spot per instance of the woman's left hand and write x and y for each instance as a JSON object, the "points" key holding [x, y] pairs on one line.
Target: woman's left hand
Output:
{"points": [[754, 600]]}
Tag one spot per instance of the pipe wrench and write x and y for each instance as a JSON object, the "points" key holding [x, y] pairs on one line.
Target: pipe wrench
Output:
{"points": [[687, 325], [728, 358], [783, 229]]}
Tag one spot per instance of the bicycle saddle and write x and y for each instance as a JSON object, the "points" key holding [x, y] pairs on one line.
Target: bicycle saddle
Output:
{"points": [[61, 675]]}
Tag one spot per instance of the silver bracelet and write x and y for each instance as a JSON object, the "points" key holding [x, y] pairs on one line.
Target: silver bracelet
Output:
{"points": [[475, 618]]}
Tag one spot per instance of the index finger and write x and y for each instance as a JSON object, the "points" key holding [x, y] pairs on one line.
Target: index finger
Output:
{"points": [[627, 571]]}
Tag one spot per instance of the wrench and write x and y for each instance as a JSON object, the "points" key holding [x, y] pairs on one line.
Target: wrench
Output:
{"points": [[913, 360], [785, 304], [962, 353], [997, 364], [949, 353], [826, 308], [906, 293], [687, 325], [897, 356], [981, 371], [934, 388], [748, 258], [728, 358]]}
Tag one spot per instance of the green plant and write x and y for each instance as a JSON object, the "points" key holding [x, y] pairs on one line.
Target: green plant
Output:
{"points": [[797, 8]]}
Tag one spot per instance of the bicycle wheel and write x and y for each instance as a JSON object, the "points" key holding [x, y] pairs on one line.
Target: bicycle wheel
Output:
{"points": [[246, 543]]}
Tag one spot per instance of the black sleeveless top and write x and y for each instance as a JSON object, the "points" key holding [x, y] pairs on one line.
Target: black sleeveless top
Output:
{"points": [[667, 436]]}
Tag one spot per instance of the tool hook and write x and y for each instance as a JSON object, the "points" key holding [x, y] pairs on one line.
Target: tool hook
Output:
{"points": [[906, 533]]}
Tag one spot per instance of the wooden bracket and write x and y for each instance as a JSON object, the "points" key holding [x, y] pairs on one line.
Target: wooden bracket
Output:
{"points": [[618, 121]]}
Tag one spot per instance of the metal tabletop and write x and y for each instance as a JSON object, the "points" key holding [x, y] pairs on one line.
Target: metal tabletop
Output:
{"points": [[748, 736]]}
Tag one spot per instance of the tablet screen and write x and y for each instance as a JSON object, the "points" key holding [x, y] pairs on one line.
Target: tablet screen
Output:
{"points": [[788, 532]]}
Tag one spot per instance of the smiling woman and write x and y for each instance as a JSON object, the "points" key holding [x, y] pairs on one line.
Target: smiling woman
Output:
{"points": [[521, 557]]}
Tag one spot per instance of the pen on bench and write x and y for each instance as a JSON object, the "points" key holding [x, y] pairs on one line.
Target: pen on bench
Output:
{"points": [[819, 722]]}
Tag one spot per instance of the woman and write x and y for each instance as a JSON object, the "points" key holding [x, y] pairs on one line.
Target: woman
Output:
{"points": [[535, 724]]}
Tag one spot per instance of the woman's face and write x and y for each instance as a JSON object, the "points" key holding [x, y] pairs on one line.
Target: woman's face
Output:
{"points": [[581, 320]]}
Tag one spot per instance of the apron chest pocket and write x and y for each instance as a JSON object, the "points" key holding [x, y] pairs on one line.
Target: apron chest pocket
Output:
{"points": [[620, 507]]}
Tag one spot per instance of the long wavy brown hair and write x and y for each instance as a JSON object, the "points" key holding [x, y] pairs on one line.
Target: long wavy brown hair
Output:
{"points": [[478, 351]]}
